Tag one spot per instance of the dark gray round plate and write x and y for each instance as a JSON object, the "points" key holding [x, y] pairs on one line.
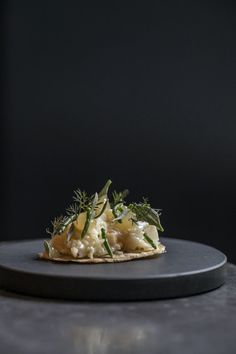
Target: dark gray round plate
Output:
{"points": [[187, 268]]}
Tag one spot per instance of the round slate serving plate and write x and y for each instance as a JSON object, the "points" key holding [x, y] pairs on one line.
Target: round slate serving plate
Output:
{"points": [[187, 268]]}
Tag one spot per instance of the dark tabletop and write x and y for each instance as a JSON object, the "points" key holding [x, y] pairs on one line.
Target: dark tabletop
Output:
{"points": [[199, 324]]}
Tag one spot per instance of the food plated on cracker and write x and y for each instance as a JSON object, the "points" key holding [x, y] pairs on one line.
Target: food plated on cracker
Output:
{"points": [[103, 229]]}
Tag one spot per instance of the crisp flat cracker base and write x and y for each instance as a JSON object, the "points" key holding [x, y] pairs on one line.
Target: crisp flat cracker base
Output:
{"points": [[106, 259]]}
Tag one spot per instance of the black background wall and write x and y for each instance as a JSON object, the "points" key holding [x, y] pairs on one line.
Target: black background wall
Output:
{"points": [[141, 94]]}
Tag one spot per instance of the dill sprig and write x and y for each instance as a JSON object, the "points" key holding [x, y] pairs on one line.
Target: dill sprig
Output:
{"points": [[118, 197], [73, 209], [82, 200], [59, 224], [93, 205], [81, 203]]}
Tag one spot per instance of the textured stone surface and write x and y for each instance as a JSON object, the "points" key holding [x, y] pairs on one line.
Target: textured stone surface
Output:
{"points": [[199, 324]]}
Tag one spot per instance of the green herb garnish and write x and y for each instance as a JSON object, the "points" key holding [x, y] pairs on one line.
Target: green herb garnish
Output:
{"points": [[82, 200], [117, 210], [87, 223], [117, 204], [149, 240], [59, 224], [106, 243], [102, 210], [73, 210], [82, 203], [144, 212], [118, 197], [89, 215], [95, 205]]}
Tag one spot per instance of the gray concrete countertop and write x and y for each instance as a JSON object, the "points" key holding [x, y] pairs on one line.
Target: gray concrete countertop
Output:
{"points": [[199, 324]]}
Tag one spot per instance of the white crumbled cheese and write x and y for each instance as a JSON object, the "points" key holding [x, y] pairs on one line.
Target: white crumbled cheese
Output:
{"points": [[74, 251], [82, 251], [90, 251]]}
